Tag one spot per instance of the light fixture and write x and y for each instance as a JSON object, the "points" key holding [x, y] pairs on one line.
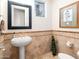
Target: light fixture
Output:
{"points": [[2, 22]]}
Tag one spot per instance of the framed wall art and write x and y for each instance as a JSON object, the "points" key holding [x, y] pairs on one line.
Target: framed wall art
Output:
{"points": [[40, 8], [69, 16]]}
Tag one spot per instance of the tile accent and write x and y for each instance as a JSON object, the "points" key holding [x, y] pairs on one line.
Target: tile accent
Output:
{"points": [[47, 56], [40, 45], [62, 37]]}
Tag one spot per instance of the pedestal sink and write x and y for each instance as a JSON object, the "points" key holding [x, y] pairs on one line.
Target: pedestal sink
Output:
{"points": [[21, 42]]}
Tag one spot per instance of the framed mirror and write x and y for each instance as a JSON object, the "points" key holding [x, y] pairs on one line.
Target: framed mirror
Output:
{"points": [[19, 16]]}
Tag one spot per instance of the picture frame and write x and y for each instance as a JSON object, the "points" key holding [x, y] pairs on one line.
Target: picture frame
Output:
{"points": [[69, 16], [19, 16], [40, 8]]}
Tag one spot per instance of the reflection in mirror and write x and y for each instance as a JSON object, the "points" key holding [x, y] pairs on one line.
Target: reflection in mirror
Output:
{"points": [[19, 16]]}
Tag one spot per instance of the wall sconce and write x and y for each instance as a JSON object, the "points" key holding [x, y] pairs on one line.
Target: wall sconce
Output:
{"points": [[2, 22]]}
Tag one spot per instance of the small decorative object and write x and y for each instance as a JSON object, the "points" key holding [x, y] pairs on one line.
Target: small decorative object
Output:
{"points": [[40, 8], [54, 46], [69, 16], [19, 16], [2, 25], [70, 44]]}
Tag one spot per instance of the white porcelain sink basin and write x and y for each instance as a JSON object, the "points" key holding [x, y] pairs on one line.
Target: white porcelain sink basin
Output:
{"points": [[21, 41]]}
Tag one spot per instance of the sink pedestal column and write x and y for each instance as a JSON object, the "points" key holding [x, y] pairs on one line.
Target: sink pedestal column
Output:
{"points": [[21, 53]]}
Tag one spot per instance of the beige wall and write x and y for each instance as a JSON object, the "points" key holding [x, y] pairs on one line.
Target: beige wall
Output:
{"points": [[63, 37], [56, 5], [40, 45], [38, 23]]}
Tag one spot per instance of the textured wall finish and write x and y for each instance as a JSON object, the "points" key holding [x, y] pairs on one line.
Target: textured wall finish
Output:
{"points": [[47, 56], [63, 37], [40, 45]]}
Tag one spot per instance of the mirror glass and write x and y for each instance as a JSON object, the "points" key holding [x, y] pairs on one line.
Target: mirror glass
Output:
{"points": [[19, 16]]}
